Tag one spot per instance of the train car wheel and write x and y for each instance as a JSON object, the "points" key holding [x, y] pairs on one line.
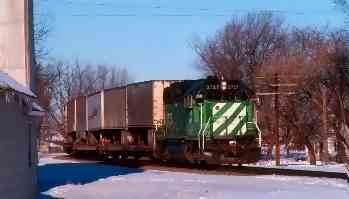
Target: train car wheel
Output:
{"points": [[202, 162], [165, 155], [137, 157]]}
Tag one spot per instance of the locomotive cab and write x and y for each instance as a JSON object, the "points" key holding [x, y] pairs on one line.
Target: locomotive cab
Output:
{"points": [[209, 120]]}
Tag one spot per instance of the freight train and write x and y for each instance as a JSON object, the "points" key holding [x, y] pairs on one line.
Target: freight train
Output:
{"points": [[199, 121]]}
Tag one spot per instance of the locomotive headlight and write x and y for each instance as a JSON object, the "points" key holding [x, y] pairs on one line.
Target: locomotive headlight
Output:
{"points": [[224, 85], [232, 142], [199, 96]]}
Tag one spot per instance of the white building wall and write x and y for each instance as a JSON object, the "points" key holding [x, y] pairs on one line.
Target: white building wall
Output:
{"points": [[16, 55], [18, 163]]}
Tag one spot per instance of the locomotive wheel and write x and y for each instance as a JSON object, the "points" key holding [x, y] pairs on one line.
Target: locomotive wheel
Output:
{"points": [[68, 150], [103, 157], [188, 153], [121, 157], [137, 157], [200, 163], [165, 155]]}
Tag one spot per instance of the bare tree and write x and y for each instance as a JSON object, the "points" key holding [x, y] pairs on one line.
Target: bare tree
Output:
{"points": [[241, 47], [258, 45], [60, 82], [320, 60], [41, 33], [338, 85]]}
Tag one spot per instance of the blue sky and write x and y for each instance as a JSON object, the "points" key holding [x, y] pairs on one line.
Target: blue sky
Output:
{"points": [[151, 37]]}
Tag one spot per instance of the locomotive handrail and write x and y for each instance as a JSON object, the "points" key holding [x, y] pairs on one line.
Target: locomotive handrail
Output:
{"points": [[258, 129], [199, 134], [203, 134], [259, 135], [259, 132]]}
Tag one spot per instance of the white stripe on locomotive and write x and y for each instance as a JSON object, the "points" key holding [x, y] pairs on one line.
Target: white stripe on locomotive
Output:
{"points": [[226, 115]]}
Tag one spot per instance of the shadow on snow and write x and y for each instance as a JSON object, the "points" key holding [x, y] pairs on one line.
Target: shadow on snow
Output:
{"points": [[53, 175]]}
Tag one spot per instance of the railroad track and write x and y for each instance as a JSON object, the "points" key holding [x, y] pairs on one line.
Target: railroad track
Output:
{"points": [[216, 169]]}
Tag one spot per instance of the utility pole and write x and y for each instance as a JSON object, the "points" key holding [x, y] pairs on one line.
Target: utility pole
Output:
{"points": [[324, 151], [276, 130], [276, 92]]}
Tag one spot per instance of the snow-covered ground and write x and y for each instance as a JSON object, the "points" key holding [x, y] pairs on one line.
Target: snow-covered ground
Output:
{"points": [[54, 158], [90, 180], [297, 160], [303, 165]]}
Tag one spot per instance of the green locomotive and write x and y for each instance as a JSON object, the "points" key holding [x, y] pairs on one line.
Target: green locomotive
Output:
{"points": [[209, 120]]}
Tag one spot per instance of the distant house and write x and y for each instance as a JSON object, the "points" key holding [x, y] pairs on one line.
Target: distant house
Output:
{"points": [[19, 114]]}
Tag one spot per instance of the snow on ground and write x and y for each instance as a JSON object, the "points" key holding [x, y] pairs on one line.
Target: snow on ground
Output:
{"points": [[89, 180], [47, 159], [303, 165], [297, 160]]}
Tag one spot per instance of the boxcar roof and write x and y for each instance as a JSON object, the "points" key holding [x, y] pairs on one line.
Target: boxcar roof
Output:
{"points": [[131, 84]]}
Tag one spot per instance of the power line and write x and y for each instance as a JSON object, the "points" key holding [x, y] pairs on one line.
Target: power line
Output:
{"points": [[133, 11], [110, 4], [149, 15], [169, 14]]}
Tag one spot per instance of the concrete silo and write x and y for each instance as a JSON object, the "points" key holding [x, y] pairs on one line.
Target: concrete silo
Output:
{"points": [[16, 40]]}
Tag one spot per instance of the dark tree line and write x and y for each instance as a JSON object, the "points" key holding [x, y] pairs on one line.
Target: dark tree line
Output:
{"points": [[59, 82], [312, 61]]}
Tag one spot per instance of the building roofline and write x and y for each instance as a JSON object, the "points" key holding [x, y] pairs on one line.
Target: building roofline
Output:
{"points": [[8, 82]]}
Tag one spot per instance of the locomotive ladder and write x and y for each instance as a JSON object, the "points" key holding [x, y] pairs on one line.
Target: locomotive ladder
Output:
{"points": [[202, 137]]}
